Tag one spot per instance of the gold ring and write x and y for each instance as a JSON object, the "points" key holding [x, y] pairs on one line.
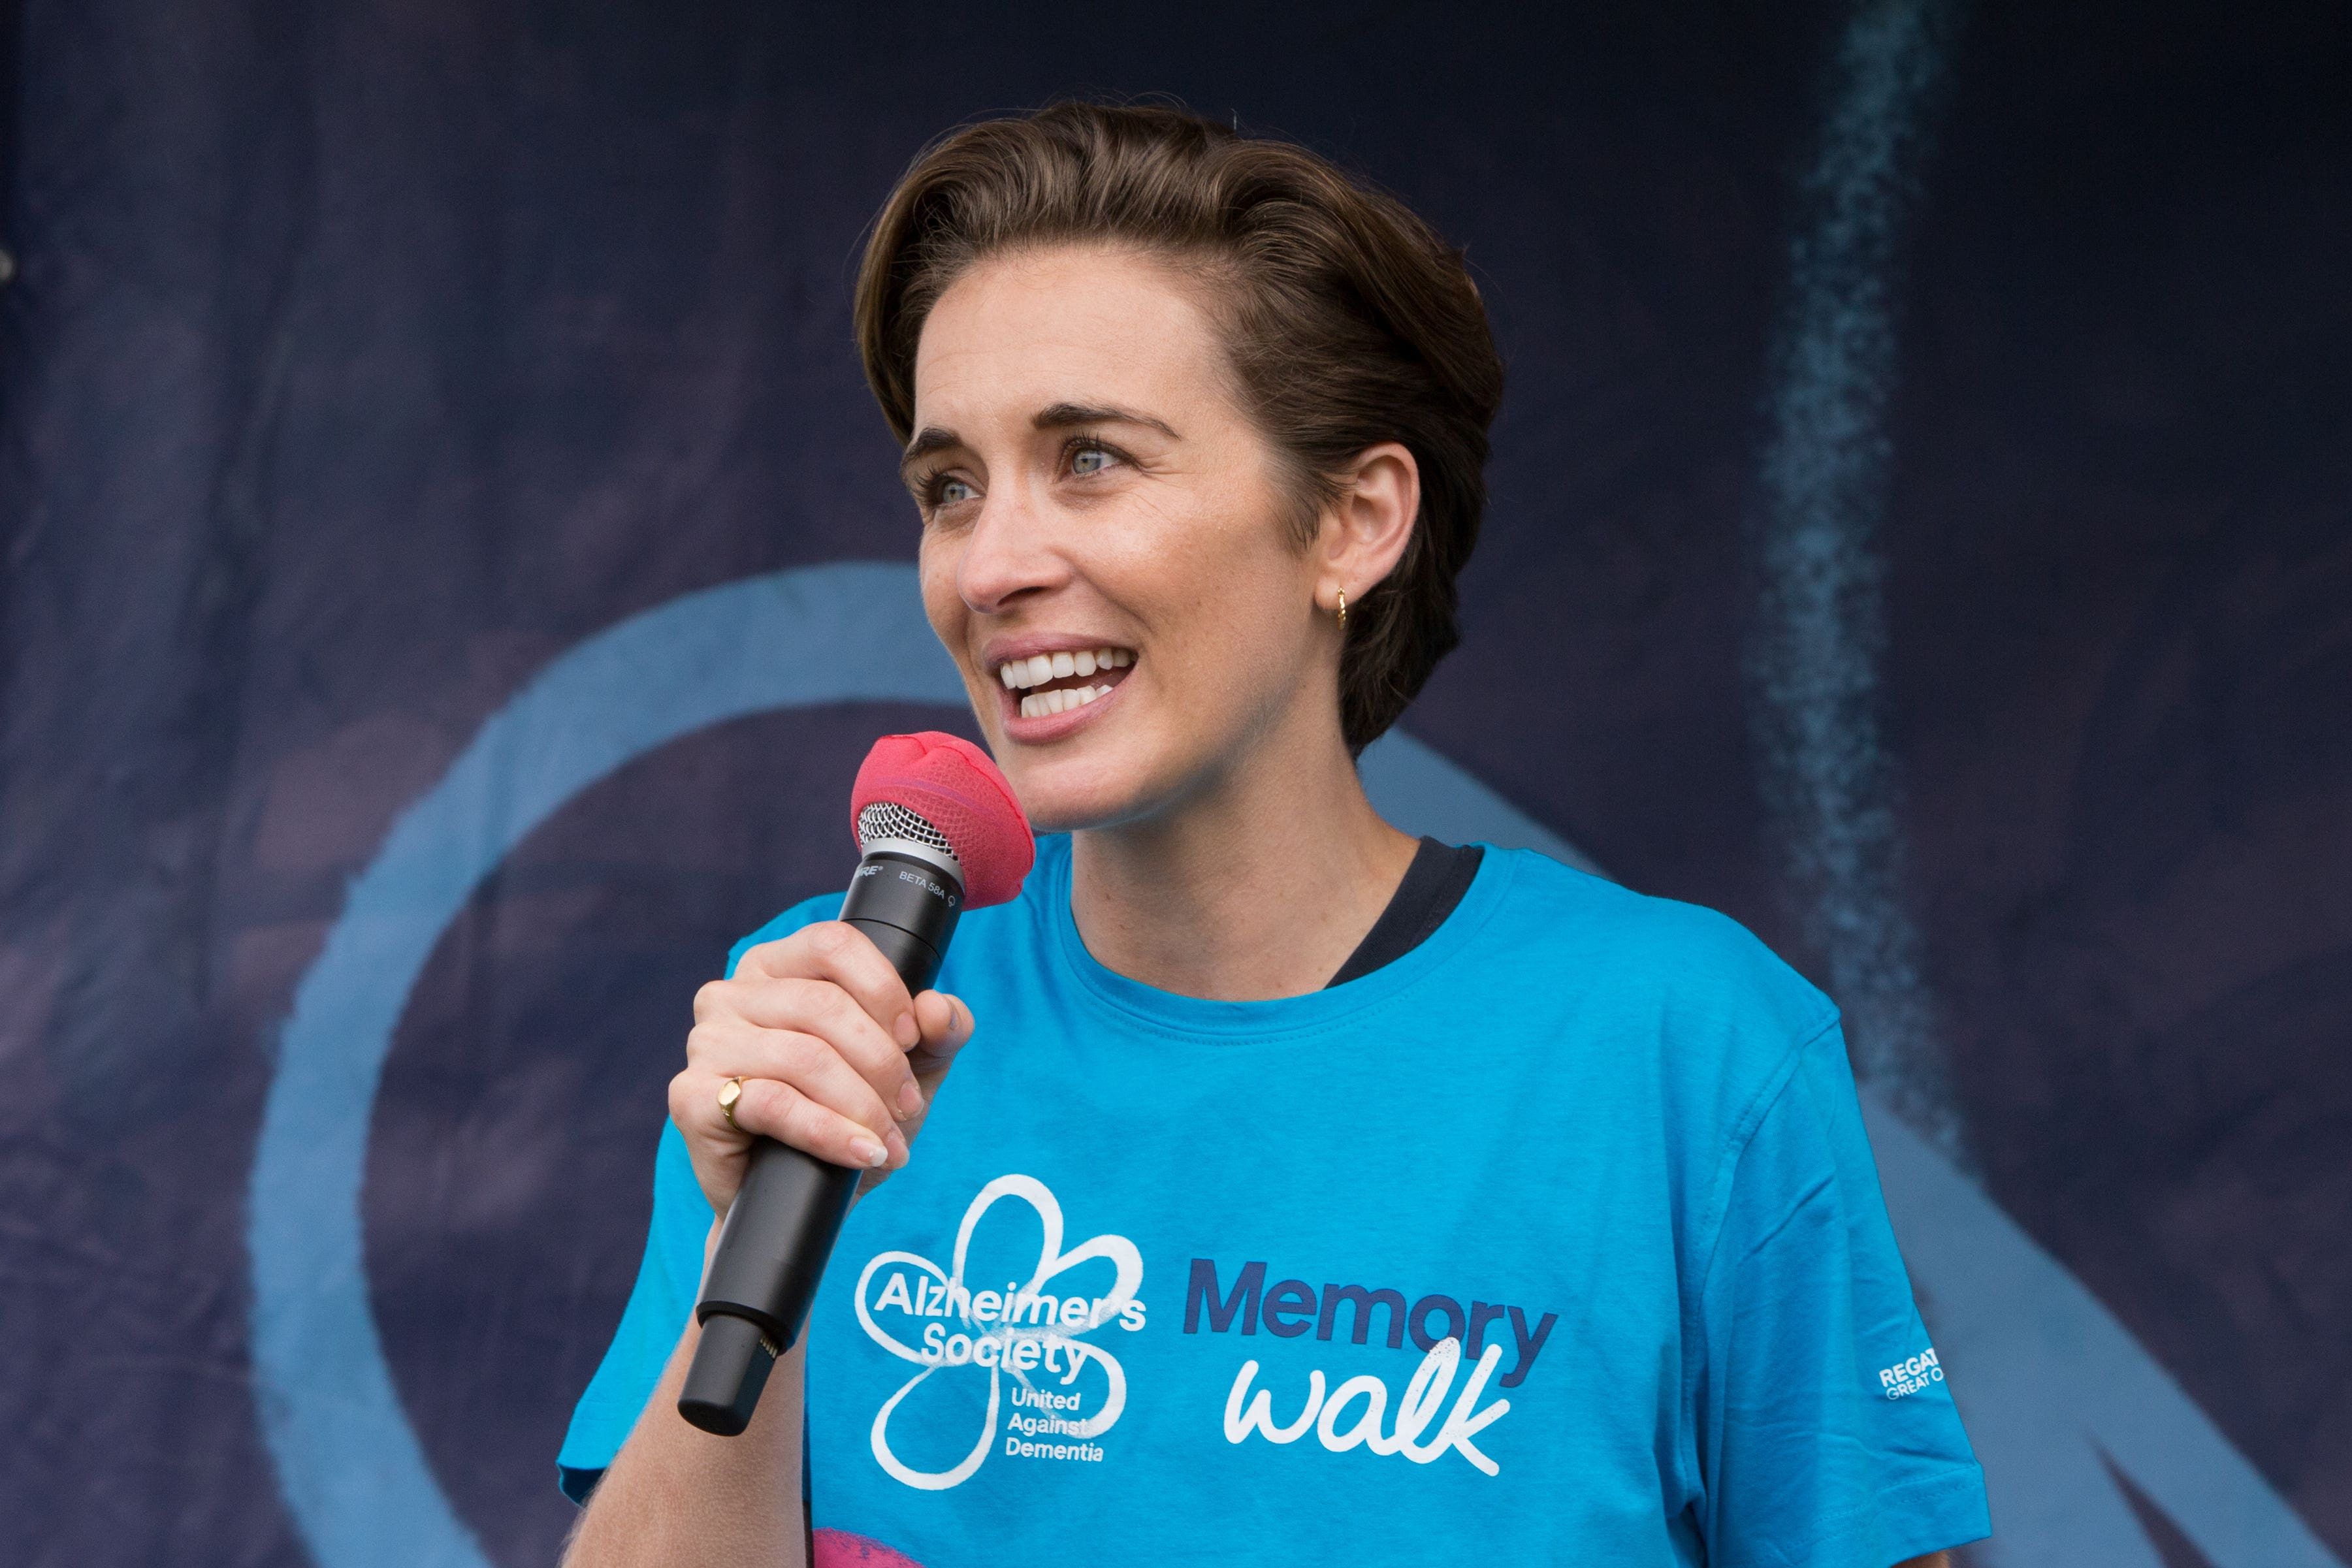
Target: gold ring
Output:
{"points": [[728, 1092]]}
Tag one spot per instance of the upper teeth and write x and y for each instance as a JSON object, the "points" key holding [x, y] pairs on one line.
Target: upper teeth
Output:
{"points": [[1039, 668]]}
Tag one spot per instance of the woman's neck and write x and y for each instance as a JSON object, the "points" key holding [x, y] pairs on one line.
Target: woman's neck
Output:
{"points": [[1259, 886]]}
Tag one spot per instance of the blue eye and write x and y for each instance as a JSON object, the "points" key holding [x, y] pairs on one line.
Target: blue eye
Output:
{"points": [[952, 491], [1090, 460]]}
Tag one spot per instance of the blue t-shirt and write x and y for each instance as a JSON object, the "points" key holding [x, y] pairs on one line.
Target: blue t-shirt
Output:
{"points": [[1557, 1240]]}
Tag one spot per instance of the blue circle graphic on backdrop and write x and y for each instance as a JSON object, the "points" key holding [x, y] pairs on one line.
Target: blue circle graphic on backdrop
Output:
{"points": [[349, 1462]]}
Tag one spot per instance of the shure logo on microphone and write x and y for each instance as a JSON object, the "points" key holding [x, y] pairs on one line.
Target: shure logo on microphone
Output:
{"points": [[908, 874]]}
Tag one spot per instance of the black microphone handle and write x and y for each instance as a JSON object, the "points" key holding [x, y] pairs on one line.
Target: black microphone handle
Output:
{"points": [[777, 1236]]}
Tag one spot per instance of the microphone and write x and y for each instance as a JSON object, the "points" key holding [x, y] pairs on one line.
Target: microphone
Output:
{"points": [[939, 832]]}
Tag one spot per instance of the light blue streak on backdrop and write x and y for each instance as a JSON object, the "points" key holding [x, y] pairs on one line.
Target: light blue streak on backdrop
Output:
{"points": [[1819, 629]]}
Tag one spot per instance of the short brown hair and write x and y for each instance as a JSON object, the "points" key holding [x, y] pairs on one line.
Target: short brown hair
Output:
{"points": [[1350, 322]]}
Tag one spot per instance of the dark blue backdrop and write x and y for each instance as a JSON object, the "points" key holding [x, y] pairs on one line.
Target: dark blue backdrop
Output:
{"points": [[1920, 530]]}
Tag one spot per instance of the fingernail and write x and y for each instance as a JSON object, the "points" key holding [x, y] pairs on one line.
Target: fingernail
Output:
{"points": [[897, 1146], [867, 1152], [910, 1033], [910, 1100]]}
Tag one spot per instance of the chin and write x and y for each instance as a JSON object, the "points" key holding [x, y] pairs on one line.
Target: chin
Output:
{"points": [[1070, 791], [1057, 804]]}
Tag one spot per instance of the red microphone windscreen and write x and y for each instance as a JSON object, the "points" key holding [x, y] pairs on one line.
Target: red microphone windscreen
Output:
{"points": [[951, 784]]}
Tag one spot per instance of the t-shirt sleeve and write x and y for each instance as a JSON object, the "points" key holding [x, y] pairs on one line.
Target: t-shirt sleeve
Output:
{"points": [[1827, 1435], [669, 1278]]}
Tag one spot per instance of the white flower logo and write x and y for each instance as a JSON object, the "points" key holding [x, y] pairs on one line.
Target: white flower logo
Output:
{"points": [[1023, 1319]]}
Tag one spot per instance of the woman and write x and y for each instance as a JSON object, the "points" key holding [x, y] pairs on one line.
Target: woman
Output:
{"points": [[1312, 1193]]}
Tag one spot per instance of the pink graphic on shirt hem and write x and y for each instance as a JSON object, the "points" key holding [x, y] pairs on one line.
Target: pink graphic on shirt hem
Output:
{"points": [[839, 1549]]}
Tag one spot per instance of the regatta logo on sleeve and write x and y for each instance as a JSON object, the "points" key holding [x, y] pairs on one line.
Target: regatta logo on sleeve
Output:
{"points": [[952, 1324], [1912, 1376]]}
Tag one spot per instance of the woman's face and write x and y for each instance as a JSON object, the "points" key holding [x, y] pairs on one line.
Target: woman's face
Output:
{"points": [[1106, 545]]}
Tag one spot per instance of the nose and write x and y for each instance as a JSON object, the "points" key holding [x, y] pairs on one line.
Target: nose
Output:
{"points": [[1010, 557]]}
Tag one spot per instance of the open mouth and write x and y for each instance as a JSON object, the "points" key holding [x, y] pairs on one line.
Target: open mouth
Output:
{"points": [[1056, 682]]}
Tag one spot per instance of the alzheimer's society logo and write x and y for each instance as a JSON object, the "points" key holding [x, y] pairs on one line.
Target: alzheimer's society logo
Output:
{"points": [[1024, 1329]]}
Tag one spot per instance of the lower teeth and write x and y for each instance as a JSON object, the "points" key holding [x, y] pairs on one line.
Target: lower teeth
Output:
{"points": [[1040, 705]]}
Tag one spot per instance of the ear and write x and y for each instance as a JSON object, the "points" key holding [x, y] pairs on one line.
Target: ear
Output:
{"points": [[1365, 530]]}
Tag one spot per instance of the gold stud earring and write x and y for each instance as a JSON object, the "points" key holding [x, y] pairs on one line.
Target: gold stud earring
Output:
{"points": [[1343, 610]]}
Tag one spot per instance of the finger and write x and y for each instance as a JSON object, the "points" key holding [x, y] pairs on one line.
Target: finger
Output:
{"points": [[779, 1110], [837, 951], [694, 1107], [945, 1021], [825, 1010], [810, 1063], [713, 1145], [718, 1145], [947, 1025]]}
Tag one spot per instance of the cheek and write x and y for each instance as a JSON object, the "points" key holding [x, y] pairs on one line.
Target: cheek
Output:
{"points": [[935, 568], [1227, 559], [1245, 592]]}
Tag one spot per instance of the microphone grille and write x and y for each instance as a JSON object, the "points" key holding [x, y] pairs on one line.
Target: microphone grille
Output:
{"points": [[889, 819], [952, 806]]}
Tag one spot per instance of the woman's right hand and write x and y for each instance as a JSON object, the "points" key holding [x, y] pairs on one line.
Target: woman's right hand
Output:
{"points": [[836, 1058]]}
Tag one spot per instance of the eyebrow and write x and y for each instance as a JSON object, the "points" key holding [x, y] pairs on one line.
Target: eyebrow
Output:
{"points": [[930, 439], [1052, 416], [1063, 415]]}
